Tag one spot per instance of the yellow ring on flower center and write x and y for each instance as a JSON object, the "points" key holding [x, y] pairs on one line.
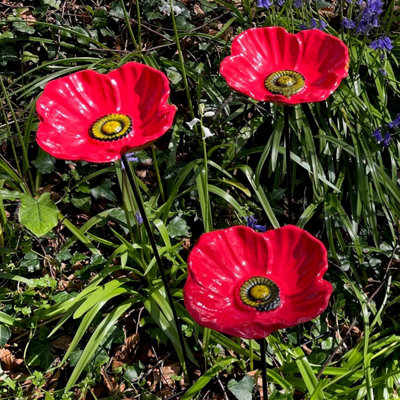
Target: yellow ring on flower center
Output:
{"points": [[260, 293], [285, 82], [111, 127]]}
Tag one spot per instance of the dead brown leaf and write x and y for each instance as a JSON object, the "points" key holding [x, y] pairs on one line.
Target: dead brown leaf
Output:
{"points": [[167, 373], [62, 342], [8, 361], [122, 352]]}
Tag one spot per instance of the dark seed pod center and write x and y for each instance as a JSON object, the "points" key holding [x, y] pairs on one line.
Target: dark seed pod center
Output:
{"points": [[285, 82], [111, 127], [260, 293]]}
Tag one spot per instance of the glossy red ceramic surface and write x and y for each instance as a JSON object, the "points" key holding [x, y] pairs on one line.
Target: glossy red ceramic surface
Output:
{"points": [[70, 105], [223, 260], [322, 59]]}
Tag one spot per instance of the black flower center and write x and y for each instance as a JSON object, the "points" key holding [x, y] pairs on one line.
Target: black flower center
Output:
{"points": [[111, 127], [260, 293], [285, 82]]}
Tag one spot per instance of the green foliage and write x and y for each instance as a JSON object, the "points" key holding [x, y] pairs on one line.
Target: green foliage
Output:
{"points": [[38, 215], [88, 275]]}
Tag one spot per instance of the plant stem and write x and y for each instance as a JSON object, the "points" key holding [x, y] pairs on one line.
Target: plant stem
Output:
{"points": [[158, 259], [182, 61], [288, 145], [128, 24], [153, 152], [263, 369]]}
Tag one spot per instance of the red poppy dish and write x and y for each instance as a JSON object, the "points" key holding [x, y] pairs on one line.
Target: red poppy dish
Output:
{"points": [[98, 117], [270, 64], [249, 284]]}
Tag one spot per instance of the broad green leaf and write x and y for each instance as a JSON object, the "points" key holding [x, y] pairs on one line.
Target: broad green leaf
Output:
{"points": [[242, 389], [38, 215]]}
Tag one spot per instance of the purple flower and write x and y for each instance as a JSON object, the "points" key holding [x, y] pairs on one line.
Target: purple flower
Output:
{"points": [[318, 24], [386, 140], [251, 222], [298, 3], [131, 158], [369, 17], [348, 23], [264, 3], [139, 218], [395, 123], [382, 43], [280, 3], [377, 134], [383, 72]]}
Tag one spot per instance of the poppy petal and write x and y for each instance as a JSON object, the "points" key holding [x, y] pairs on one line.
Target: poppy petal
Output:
{"points": [[320, 58], [223, 261], [70, 106]]}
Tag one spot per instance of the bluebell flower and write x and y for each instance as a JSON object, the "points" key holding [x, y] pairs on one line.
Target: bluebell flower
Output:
{"points": [[395, 123], [139, 218], [251, 222], [369, 17], [280, 3], [131, 158], [382, 43], [386, 139], [383, 71], [264, 3], [348, 23], [377, 134], [315, 24], [298, 3]]}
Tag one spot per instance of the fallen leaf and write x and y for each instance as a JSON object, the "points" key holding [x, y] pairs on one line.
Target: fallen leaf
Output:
{"points": [[62, 342]]}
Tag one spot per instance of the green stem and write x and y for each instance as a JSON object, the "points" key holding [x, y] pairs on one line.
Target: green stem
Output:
{"points": [[263, 369], [158, 260], [208, 217], [153, 152], [251, 355], [139, 25], [20, 137], [182, 61], [128, 24]]}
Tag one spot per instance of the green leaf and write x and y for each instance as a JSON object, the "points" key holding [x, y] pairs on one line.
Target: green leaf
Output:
{"points": [[5, 334], [53, 3], [28, 56], [38, 215], [30, 262], [39, 354], [44, 162], [104, 190], [208, 375], [178, 227], [242, 389]]}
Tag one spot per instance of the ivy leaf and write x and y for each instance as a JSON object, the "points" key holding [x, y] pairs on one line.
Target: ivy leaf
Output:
{"points": [[104, 190], [39, 354], [178, 227], [38, 215], [242, 389], [44, 162]]}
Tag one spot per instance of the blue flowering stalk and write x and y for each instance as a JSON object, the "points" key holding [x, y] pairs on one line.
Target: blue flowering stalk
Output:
{"points": [[377, 134], [395, 123], [369, 17], [251, 222], [348, 23], [264, 3], [382, 43], [298, 3]]}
